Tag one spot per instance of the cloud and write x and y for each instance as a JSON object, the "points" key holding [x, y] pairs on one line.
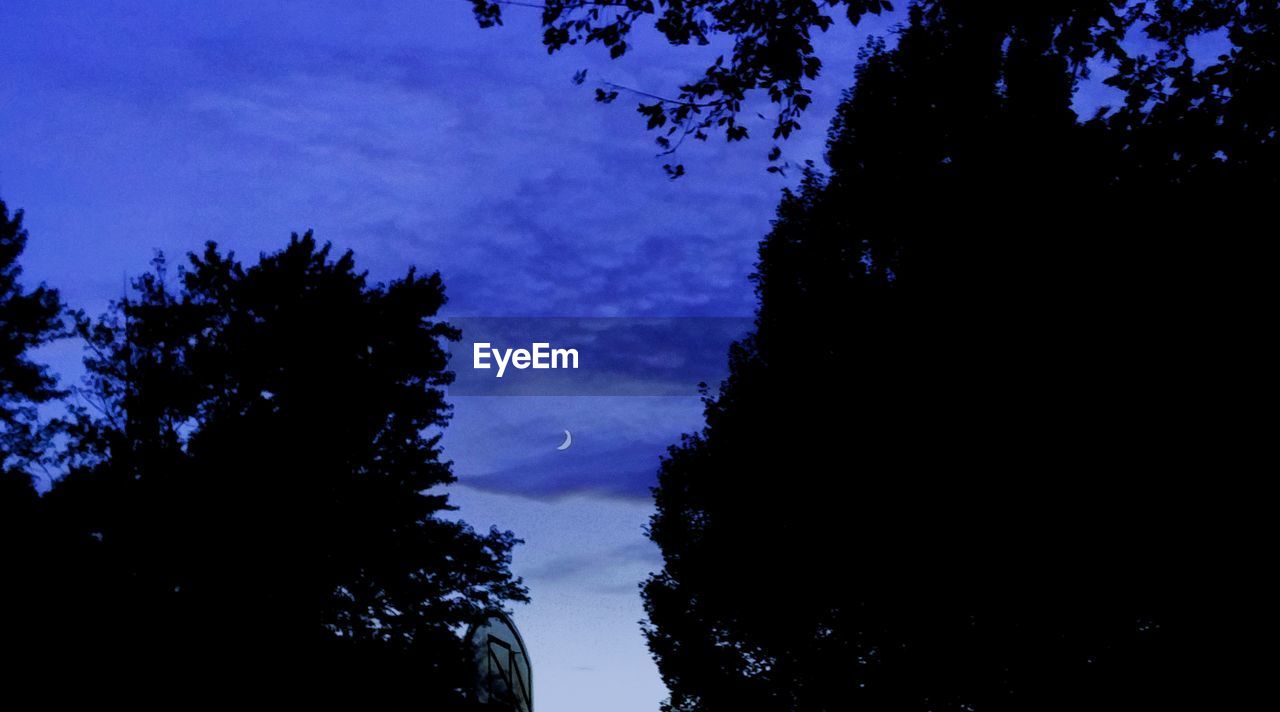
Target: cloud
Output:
{"points": [[627, 470], [508, 443], [642, 554]]}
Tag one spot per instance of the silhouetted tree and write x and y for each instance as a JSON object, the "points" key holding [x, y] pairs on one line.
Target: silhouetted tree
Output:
{"points": [[254, 502], [28, 319], [948, 470], [773, 53]]}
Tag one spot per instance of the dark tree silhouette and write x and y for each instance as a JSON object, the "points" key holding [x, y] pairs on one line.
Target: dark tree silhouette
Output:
{"points": [[28, 319], [254, 502], [956, 465], [773, 53]]}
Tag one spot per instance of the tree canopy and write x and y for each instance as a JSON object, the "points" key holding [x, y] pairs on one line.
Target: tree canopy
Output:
{"points": [[773, 54], [254, 496], [948, 468], [29, 318]]}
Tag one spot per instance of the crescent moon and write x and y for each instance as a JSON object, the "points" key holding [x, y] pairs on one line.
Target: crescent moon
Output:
{"points": [[568, 440]]}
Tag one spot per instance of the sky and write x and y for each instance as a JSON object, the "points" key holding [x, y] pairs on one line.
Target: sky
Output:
{"points": [[404, 132]]}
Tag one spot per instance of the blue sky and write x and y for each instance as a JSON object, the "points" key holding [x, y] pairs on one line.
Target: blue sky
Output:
{"points": [[404, 132]]}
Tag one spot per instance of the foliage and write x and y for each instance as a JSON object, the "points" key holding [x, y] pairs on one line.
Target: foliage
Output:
{"points": [[28, 319], [772, 53], [940, 475], [255, 476]]}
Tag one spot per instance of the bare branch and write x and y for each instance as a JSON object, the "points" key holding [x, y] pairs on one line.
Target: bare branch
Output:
{"points": [[719, 103]]}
